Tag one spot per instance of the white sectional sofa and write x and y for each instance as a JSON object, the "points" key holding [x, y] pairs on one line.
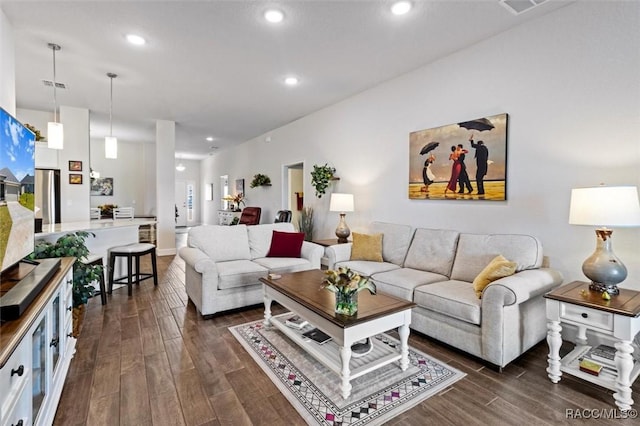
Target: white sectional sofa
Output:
{"points": [[435, 269], [224, 263]]}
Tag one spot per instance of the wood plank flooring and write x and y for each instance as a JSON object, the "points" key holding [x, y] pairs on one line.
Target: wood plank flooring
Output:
{"points": [[150, 359]]}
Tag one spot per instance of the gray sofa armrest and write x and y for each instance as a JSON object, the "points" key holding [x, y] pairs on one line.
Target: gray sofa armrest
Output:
{"points": [[199, 261], [338, 253], [312, 252], [520, 287]]}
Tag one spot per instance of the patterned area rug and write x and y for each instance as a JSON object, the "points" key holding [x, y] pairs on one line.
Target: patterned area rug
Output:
{"points": [[314, 390]]}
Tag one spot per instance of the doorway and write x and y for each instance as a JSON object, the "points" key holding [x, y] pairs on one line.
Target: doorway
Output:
{"points": [[293, 190], [184, 201]]}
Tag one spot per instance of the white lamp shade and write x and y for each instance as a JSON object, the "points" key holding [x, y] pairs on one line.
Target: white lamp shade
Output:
{"points": [[110, 147], [341, 203], [605, 206], [55, 135]]}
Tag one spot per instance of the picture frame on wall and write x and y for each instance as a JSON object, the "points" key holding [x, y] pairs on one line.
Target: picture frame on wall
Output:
{"points": [[101, 186], [75, 166], [75, 179], [461, 161], [240, 186]]}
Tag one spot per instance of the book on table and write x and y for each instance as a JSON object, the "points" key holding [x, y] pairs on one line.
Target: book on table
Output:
{"points": [[590, 367], [296, 322], [317, 336], [603, 354]]}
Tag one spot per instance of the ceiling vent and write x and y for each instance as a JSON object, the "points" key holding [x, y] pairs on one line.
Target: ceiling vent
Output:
{"points": [[49, 83], [520, 6]]}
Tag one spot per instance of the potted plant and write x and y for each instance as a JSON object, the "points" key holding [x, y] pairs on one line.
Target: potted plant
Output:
{"points": [[260, 180], [73, 244], [320, 177], [305, 223], [107, 209]]}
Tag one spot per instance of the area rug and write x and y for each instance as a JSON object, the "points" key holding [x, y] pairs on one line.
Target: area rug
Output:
{"points": [[314, 390]]}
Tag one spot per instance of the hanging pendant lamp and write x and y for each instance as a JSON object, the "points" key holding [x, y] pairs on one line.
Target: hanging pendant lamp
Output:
{"points": [[110, 142], [55, 132]]}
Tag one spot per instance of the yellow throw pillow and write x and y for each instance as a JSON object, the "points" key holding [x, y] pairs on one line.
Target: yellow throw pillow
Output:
{"points": [[366, 247], [499, 267]]}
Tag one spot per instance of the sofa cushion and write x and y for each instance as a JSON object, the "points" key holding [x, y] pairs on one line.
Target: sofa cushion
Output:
{"points": [[283, 264], [366, 247], [286, 244], [475, 251], [260, 237], [395, 240], [452, 298], [432, 250], [239, 273], [207, 238], [364, 267], [498, 268], [402, 281]]}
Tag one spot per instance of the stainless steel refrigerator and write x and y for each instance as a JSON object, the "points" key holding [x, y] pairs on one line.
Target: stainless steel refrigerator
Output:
{"points": [[47, 195]]}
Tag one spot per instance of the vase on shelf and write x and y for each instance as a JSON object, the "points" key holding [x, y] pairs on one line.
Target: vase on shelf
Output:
{"points": [[346, 303]]}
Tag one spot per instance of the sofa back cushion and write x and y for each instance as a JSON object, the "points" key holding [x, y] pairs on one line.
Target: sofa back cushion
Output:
{"points": [[475, 251], [432, 250], [395, 240], [260, 237], [221, 243]]}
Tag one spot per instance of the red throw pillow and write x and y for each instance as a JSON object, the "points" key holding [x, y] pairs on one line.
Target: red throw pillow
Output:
{"points": [[286, 244]]}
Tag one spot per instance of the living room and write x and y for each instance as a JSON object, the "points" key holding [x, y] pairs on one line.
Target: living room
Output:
{"points": [[567, 80]]}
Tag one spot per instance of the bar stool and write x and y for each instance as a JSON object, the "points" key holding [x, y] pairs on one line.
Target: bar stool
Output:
{"points": [[131, 251], [95, 260]]}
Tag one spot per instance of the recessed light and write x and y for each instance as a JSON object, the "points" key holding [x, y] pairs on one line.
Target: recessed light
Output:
{"points": [[209, 138], [136, 39], [291, 81], [274, 16], [401, 7]]}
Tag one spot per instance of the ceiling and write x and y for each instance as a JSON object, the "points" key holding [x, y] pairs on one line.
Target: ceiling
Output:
{"points": [[216, 68]]}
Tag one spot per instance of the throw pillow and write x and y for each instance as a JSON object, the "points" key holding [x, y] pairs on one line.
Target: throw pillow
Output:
{"points": [[286, 244], [366, 247], [499, 267]]}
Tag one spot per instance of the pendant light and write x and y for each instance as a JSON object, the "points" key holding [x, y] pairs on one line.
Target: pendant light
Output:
{"points": [[110, 142], [180, 167], [55, 133]]}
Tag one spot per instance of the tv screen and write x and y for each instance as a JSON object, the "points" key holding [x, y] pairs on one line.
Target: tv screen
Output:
{"points": [[17, 170]]}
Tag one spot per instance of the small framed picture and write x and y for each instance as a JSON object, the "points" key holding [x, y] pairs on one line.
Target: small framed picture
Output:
{"points": [[75, 166], [75, 179]]}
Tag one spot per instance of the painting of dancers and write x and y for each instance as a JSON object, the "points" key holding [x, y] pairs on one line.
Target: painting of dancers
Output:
{"points": [[461, 161]]}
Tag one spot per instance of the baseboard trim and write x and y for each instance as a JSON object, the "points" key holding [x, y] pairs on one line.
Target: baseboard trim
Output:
{"points": [[166, 252]]}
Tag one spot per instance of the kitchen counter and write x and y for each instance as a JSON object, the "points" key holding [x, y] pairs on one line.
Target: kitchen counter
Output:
{"points": [[91, 226]]}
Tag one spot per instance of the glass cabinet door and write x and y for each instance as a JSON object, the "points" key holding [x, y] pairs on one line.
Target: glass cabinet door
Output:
{"points": [[39, 367], [56, 321]]}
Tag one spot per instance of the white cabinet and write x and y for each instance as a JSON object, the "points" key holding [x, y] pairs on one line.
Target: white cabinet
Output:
{"points": [[36, 352], [225, 217]]}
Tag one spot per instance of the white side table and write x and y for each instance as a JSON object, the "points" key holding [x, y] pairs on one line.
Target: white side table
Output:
{"points": [[618, 318]]}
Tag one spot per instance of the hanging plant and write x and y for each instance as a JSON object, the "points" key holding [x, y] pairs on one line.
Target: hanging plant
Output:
{"points": [[260, 180], [320, 177]]}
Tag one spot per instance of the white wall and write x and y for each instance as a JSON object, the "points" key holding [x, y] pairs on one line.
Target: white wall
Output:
{"points": [[569, 82], [7, 66], [129, 173]]}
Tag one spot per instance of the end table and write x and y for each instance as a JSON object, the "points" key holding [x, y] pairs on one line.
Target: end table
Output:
{"points": [[618, 318]]}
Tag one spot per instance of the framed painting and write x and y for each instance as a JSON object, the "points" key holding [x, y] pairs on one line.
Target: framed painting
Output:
{"points": [[240, 186], [102, 186], [75, 166], [461, 161], [75, 179]]}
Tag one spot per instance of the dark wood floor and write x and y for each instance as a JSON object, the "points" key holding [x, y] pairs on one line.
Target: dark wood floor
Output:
{"points": [[150, 359]]}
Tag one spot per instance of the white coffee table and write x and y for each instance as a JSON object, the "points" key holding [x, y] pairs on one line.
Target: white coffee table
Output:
{"points": [[300, 293]]}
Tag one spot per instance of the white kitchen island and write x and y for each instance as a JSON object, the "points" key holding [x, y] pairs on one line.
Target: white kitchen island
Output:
{"points": [[108, 233]]}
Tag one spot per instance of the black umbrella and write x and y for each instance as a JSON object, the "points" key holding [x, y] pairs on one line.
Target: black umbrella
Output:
{"points": [[480, 124], [429, 147]]}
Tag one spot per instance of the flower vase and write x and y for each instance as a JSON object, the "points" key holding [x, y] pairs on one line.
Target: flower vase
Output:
{"points": [[346, 303]]}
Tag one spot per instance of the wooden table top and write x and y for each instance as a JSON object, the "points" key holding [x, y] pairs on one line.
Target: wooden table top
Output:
{"points": [[305, 288], [626, 303], [328, 242]]}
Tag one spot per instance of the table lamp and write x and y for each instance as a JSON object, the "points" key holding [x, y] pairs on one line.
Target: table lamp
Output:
{"points": [[615, 206], [342, 203]]}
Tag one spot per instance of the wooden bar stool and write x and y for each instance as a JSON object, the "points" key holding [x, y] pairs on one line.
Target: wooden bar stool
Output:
{"points": [[92, 260], [130, 252]]}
